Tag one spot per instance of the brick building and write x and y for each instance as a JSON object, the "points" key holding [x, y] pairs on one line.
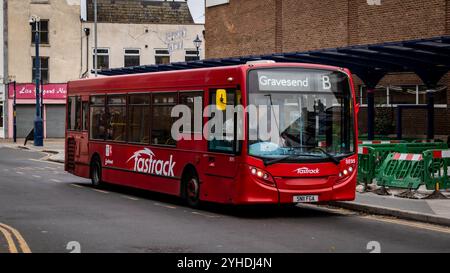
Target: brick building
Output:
{"points": [[239, 28]]}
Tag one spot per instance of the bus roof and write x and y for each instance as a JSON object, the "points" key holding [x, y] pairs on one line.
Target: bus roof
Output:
{"points": [[186, 78]]}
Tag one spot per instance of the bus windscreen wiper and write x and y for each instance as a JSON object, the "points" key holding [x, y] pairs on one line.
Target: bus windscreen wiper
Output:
{"points": [[330, 156]]}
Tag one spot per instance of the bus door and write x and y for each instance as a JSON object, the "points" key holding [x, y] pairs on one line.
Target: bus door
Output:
{"points": [[224, 146]]}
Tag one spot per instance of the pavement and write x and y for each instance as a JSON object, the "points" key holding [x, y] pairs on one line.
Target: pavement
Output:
{"points": [[54, 148], [434, 211], [45, 210], [422, 210]]}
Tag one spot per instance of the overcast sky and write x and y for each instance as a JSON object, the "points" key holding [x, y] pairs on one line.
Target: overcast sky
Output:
{"points": [[198, 10]]}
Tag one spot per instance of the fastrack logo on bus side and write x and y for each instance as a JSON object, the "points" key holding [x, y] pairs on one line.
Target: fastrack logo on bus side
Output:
{"points": [[145, 162], [306, 170]]}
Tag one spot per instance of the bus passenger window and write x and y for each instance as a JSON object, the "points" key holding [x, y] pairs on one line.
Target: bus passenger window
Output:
{"points": [[78, 114], [71, 113], [97, 118], [224, 141], [85, 108], [74, 114], [139, 118], [193, 100], [116, 118], [162, 105]]}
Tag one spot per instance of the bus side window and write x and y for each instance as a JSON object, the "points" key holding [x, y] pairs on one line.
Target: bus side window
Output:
{"points": [[71, 113], [97, 118], [116, 118], [85, 109], [162, 104], [223, 141]]}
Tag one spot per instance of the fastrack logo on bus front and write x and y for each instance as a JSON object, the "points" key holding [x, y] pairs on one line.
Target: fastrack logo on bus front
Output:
{"points": [[145, 162], [306, 170]]}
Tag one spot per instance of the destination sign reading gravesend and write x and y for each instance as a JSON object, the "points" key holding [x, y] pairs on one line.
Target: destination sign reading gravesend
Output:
{"points": [[296, 81]]}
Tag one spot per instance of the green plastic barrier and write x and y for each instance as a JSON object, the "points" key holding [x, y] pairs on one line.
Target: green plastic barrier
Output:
{"points": [[415, 148], [366, 165], [401, 170], [437, 169]]}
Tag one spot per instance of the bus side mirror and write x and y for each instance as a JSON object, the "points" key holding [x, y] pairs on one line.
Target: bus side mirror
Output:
{"points": [[221, 99], [357, 108]]}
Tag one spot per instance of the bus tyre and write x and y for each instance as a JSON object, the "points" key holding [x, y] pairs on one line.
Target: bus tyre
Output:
{"points": [[192, 190], [96, 173]]}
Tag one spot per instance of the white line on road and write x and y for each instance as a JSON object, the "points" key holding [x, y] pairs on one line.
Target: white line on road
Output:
{"points": [[19, 172], [131, 198], [418, 225], [76, 186], [36, 176], [55, 180], [164, 206], [205, 215], [45, 161], [100, 191]]}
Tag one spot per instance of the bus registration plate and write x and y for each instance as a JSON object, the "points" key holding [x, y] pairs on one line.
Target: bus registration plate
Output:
{"points": [[306, 198]]}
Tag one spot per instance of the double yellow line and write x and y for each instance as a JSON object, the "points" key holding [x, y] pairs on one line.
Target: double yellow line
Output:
{"points": [[11, 235]]}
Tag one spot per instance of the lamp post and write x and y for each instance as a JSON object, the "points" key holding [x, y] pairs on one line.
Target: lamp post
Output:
{"points": [[14, 114], [198, 44], [38, 124]]}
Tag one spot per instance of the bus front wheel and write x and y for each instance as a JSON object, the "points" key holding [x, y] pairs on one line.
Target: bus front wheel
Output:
{"points": [[96, 173], [192, 190]]}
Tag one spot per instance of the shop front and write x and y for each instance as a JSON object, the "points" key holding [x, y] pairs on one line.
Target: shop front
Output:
{"points": [[53, 109]]}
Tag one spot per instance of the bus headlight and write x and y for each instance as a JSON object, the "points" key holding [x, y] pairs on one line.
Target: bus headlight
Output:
{"points": [[345, 173], [262, 176]]}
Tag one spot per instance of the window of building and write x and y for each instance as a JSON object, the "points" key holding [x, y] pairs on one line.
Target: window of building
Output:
{"points": [[1, 114], [439, 95], [162, 104], [132, 57], [102, 58], [97, 118], [43, 32], [403, 94], [162, 56], [44, 69], [192, 55], [139, 118], [406, 94]]}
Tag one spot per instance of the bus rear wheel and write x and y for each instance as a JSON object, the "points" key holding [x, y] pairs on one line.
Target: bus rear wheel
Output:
{"points": [[96, 173], [192, 190]]}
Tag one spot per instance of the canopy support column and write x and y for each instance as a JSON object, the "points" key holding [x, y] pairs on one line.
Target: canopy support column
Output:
{"points": [[370, 79], [430, 78]]}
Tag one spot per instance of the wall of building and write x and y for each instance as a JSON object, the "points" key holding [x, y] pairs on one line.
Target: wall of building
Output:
{"points": [[250, 27], [64, 49], [146, 37], [240, 28]]}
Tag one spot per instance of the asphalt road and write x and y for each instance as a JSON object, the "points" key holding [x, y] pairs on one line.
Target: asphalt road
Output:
{"points": [[56, 212]]}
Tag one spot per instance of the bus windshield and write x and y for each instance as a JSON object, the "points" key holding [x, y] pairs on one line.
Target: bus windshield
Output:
{"points": [[300, 115]]}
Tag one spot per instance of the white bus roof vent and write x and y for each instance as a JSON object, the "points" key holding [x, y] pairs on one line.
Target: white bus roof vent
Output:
{"points": [[261, 62]]}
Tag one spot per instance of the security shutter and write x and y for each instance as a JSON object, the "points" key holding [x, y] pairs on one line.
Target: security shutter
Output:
{"points": [[25, 119], [56, 115]]}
